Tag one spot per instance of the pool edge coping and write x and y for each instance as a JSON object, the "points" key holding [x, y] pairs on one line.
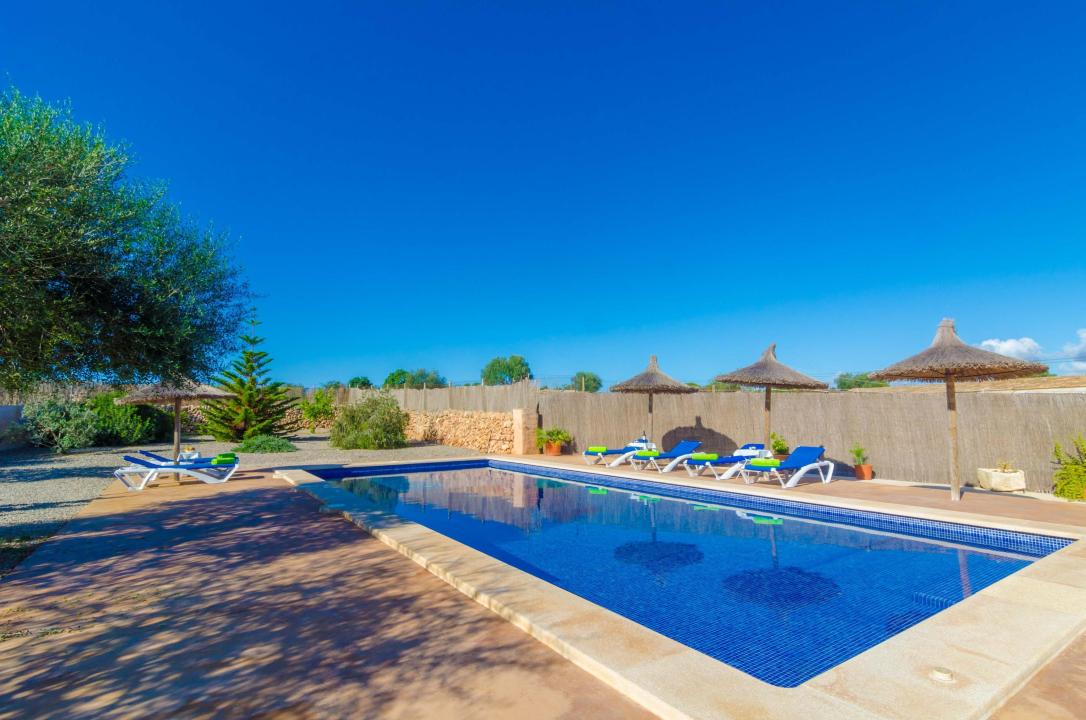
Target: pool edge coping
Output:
{"points": [[675, 681]]}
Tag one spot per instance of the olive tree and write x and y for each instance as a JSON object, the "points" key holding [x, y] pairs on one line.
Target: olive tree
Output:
{"points": [[101, 278]]}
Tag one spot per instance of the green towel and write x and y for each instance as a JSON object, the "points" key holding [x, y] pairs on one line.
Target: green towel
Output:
{"points": [[597, 448], [704, 456], [647, 453], [226, 456], [223, 461], [765, 462], [597, 491]]}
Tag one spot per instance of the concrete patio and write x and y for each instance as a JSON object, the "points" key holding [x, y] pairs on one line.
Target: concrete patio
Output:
{"points": [[240, 600]]}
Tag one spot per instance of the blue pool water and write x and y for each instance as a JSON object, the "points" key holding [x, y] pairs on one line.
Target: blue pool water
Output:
{"points": [[775, 594]]}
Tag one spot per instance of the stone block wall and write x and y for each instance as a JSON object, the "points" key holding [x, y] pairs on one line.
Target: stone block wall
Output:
{"points": [[487, 432]]}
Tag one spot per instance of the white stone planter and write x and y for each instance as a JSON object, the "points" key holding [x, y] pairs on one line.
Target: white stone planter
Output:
{"points": [[992, 479]]}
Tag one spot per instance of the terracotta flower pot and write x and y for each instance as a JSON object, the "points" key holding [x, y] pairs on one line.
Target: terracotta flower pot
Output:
{"points": [[781, 457], [863, 472], [552, 448]]}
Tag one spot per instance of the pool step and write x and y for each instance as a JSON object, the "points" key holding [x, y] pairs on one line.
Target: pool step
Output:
{"points": [[932, 600]]}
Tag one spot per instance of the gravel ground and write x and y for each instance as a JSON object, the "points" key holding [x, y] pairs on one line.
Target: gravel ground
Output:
{"points": [[40, 491]]}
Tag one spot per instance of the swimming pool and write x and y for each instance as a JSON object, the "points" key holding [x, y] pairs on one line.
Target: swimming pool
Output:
{"points": [[780, 590]]}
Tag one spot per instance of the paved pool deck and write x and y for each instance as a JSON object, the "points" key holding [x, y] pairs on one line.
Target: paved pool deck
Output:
{"points": [[241, 600], [1012, 506]]}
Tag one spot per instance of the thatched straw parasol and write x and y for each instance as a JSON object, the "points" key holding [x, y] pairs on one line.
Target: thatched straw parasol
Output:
{"points": [[948, 360], [769, 373], [174, 394], [652, 382]]}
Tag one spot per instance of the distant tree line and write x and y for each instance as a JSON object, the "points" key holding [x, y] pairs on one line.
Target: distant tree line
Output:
{"points": [[514, 368], [848, 381]]}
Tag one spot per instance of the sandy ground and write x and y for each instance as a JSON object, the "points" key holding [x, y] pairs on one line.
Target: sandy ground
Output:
{"points": [[241, 600]]}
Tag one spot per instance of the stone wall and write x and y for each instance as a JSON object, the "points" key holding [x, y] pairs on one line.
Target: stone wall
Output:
{"points": [[487, 432]]}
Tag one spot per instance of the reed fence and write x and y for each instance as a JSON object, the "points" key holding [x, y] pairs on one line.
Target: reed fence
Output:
{"points": [[904, 434]]}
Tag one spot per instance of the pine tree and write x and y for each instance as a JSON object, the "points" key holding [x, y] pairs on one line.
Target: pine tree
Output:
{"points": [[256, 404]]}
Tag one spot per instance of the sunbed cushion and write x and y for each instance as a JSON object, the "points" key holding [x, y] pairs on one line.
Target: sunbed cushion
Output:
{"points": [[765, 462], [704, 456]]}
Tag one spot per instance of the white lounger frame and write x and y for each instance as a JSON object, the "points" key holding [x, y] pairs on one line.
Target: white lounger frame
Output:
{"points": [[148, 475], [627, 457], [731, 471], [642, 463], [789, 479]]}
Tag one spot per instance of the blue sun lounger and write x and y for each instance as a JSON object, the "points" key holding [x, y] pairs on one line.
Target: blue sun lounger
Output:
{"points": [[596, 453], [651, 458], [156, 458], [803, 460], [141, 472], [722, 468]]}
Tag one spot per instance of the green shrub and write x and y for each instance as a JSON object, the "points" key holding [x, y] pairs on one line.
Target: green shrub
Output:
{"points": [[265, 444], [1070, 475], [319, 409], [375, 423], [127, 424], [58, 424], [778, 444], [859, 454], [554, 434]]}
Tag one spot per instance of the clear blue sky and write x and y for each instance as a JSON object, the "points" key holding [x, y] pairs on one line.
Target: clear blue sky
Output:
{"points": [[431, 184]]}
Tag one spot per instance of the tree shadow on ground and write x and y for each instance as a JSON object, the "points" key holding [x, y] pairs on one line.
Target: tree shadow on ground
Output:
{"points": [[242, 603]]}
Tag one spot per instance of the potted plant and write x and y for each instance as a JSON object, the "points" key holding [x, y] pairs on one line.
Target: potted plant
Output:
{"points": [[860, 466], [779, 446], [1004, 478], [551, 440]]}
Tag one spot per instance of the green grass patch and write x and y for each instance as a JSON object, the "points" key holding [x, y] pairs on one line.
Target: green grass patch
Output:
{"points": [[265, 444]]}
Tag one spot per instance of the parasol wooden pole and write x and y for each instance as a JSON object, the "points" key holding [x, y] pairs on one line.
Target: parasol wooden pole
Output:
{"points": [[952, 418], [768, 412], [650, 418]]}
